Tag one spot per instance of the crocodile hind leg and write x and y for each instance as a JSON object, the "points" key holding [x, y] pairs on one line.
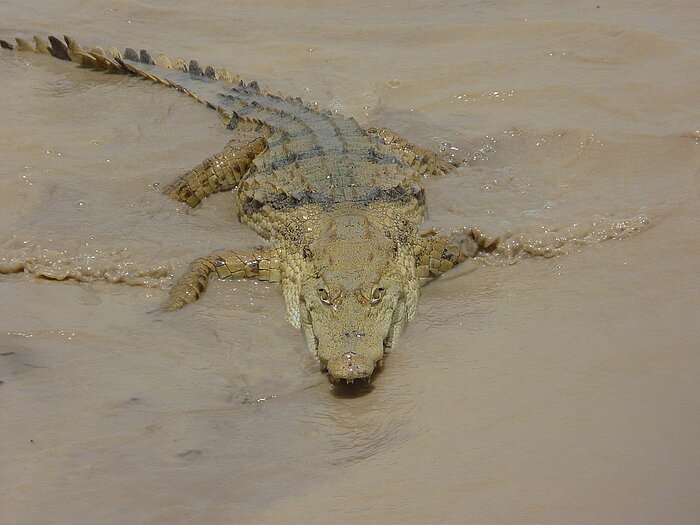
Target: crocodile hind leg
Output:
{"points": [[435, 254], [420, 159], [220, 172], [260, 264]]}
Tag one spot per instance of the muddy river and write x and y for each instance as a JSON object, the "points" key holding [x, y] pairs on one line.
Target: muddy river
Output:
{"points": [[527, 390]]}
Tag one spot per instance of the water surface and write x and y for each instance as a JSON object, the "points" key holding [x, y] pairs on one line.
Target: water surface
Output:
{"points": [[555, 390]]}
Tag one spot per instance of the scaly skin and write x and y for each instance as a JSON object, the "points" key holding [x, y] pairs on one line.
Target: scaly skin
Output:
{"points": [[340, 205]]}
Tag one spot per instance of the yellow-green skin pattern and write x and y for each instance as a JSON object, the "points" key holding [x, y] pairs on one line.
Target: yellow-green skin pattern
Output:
{"points": [[340, 205]]}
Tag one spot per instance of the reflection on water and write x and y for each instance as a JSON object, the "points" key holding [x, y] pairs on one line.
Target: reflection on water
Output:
{"points": [[555, 390]]}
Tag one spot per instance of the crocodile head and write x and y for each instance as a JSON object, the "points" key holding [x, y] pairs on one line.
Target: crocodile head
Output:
{"points": [[351, 318]]}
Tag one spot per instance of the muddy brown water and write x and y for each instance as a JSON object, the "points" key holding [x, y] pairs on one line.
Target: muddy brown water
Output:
{"points": [[557, 390]]}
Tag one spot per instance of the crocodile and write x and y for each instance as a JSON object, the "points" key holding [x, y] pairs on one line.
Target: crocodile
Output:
{"points": [[340, 205]]}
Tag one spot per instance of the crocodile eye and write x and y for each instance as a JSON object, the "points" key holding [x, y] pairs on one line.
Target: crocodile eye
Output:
{"points": [[323, 295], [377, 295]]}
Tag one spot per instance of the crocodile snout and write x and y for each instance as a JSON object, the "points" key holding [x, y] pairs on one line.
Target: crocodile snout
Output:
{"points": [[350, 366]]}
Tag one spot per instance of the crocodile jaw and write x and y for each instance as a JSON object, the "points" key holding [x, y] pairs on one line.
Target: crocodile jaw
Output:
{"points": [[358, 360], [354, 361], [350, 366]]}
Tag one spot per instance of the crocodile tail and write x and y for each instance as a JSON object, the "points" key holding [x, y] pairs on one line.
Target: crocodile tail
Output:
{"points": [[143, 65]]}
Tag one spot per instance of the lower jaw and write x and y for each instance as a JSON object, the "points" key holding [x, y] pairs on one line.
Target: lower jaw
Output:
{"points": [[350, 380]]}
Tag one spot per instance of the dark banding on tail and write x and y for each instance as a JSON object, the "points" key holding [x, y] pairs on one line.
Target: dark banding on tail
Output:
{"points": [[333, 156], [114, 61]]}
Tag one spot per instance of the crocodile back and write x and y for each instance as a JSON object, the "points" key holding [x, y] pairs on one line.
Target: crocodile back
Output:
{"points": [[312, 158]]}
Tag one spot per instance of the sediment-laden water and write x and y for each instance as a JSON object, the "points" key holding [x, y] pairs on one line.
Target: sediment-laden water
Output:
{"points": [[553, 381]]}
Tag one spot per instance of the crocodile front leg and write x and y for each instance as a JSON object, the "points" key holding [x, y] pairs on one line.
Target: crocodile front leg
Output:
{"points": [[435, 254], [420, 159], [262, 264], [220, 172]]}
